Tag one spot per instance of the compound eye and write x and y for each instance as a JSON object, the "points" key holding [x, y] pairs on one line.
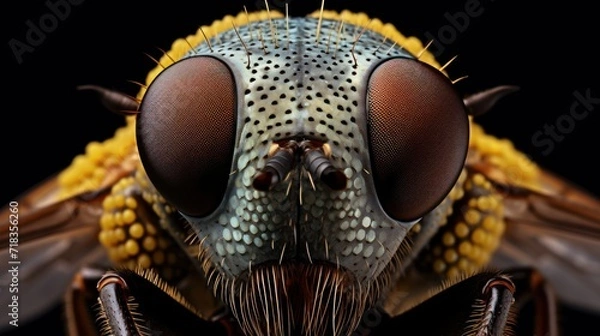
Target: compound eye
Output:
{"points": [[185, 133], [418, 133]]}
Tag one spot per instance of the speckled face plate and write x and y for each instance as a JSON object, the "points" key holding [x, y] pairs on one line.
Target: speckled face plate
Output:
{"points": [[298, 87], [301, 152]]}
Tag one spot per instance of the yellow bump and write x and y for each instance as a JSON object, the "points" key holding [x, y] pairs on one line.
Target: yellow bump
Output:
{"points": [[102, 237], [149, 243], [131, 264], [110, 237], [119, 234], [483, 203], [439, 266], [464, 249], [158, 257], [475, 253], [456, 193], [448, 239], [472, 203], [122, 251], [478, 237], [107, 222], [132, 247], [472, 216], [151, 229], [108, 203], [99, 173], [484, 258], [66, 178], [119, 201], [478, 179], [463, 264], [84, 166], [118, 187], [452, 272], [450, 256], [489, 223], [136, 230], [461, 230], [144, 260], [94, 151], [130, 202], [498, 208], [128, 216], [118, 216], [157, 209], [489, 240]]}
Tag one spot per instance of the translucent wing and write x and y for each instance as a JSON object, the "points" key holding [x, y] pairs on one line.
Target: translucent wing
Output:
{"points": [[554, 228], [55, 238], [54, 235]]}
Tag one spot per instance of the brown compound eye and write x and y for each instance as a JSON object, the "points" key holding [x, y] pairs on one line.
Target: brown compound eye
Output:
{"points": [[185, 133], [418, 132]]}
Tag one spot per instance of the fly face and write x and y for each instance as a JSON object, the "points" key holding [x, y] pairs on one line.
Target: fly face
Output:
{"points": [[301, 152], [315, 167]]}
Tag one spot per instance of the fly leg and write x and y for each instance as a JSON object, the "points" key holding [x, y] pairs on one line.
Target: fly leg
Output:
{"points": [[478, 305], [80, 301], [142, 304], [536, 303]]}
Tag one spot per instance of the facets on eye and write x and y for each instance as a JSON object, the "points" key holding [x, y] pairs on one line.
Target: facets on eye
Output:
{"points": [[185, 137]]}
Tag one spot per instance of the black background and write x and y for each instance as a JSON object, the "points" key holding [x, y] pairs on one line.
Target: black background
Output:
{"points": [[548, 50]]}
